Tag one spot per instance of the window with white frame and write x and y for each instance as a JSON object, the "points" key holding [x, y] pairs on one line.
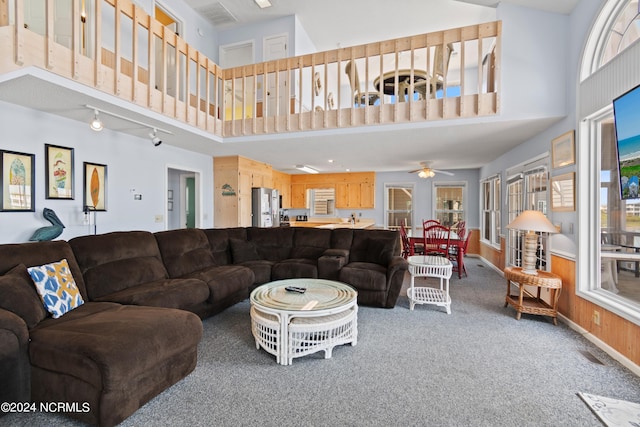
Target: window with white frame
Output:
{"points": [[449, 203], [527, 189], [603, 217], [491, 210], [398, 206]]}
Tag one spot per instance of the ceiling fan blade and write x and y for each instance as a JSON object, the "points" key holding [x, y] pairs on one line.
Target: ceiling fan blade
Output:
{"points": [[417, 170], [443, 172]]}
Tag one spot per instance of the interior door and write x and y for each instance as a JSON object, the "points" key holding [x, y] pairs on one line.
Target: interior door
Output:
{"points": [[190, 192], [275, 47]]}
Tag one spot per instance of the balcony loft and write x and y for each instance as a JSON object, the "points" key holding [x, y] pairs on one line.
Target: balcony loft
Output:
{"points": [[113, 55]]}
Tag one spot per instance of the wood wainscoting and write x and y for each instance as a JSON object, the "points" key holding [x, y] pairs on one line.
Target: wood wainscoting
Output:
{"points": [[617, 332]]}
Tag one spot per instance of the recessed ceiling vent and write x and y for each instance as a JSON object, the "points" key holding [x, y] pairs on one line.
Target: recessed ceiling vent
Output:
{"points": [[217, 14]]}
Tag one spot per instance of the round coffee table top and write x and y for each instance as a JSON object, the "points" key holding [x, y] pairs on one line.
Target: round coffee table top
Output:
{"points": [[320, 294]]}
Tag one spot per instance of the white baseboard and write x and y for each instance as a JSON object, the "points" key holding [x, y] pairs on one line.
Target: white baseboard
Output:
{"points": [[624, 361]]}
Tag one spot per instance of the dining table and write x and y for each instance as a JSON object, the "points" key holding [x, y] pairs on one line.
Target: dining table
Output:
{"points": [[454, 240], [404, 82]]}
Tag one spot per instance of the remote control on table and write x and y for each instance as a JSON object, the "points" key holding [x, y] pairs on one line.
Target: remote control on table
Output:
{"points": [[295, 289]]}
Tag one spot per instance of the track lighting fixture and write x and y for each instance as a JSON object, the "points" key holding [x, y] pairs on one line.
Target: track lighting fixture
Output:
{"points": [[96, 123], [154, 138]]}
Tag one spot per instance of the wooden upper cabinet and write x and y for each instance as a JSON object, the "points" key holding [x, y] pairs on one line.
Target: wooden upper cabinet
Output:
{"points": [[298, 195], [354, 190], [282, 183]]}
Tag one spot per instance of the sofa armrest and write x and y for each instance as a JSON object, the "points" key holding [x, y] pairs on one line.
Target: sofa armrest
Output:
{"points": [[338, 252], [330, 263], [395, 276], [15, 371]]}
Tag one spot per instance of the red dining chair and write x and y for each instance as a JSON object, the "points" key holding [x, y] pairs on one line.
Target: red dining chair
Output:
{"points": [[456, 256], [407, 247], [461, 230], [436, 240]]}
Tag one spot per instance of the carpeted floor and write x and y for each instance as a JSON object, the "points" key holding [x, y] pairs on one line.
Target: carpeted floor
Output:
{"points": [[475, 367]]}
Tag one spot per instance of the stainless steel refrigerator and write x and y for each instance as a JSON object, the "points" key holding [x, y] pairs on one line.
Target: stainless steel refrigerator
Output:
{"points": [[265, 207]]}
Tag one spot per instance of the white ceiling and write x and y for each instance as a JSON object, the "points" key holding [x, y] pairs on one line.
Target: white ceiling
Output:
{"points": [[450, 144]]}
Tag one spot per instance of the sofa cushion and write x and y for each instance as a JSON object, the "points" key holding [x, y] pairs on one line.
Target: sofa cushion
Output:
{"points": [[295, 268], [219, 242], [359, 251], [272, 244], [261, 271], [114, 357], [19, 295], [184, 251], [379, 252], [56, 286], [39, 253], [115, 261], [180, 293], [225, 280], [310, 243], [243, 251], [364, 276]]}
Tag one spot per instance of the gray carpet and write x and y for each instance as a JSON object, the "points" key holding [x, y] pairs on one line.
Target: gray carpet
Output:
{"points": [[475, 367]]}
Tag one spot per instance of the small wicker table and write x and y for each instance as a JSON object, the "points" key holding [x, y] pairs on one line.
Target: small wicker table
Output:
{"points": [[533, 304], [289, 324], [430, 266]]}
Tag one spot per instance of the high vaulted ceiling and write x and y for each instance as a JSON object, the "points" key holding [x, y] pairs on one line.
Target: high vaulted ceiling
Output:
{"points": [[448, 144], [338, 23]]}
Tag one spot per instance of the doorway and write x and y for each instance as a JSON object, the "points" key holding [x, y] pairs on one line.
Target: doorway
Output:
{"points": [[183, 198]]}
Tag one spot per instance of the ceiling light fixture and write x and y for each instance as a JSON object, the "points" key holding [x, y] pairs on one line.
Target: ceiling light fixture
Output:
{"points": [[263, 3], [96, 123], [426, 173], [305, 168]]}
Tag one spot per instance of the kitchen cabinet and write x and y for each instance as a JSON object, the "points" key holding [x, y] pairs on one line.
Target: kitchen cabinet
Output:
{"points": [[233, 178], [282, 183], [356, 195], [298, 195]]}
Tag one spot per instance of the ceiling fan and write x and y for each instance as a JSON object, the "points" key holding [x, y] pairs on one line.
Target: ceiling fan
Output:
{"points": [[426, 172]]}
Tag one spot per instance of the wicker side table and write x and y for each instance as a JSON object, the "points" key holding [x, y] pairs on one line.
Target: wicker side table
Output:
{"points": [[533, 304]]}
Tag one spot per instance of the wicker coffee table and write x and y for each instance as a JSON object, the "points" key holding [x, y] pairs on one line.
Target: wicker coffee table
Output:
{"points": [[290, 324]]}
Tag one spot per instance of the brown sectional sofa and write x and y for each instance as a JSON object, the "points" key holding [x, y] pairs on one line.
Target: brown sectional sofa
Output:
{"points": [[145, 294]]}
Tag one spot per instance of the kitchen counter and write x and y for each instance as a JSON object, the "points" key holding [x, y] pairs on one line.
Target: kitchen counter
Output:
{"points": [[363, 223]]}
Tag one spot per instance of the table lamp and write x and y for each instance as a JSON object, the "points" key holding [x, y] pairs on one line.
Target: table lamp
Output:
{"points": [[531, 221]]}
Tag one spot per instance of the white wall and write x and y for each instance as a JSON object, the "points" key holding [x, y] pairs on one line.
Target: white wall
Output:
{"points": [[131, 163], [257, 32]]}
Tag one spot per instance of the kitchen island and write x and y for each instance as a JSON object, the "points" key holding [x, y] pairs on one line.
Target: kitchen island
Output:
{"points": [[333, 224]]}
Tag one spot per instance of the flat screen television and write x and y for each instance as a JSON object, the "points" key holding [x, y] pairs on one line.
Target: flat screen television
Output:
{"points": [[626, 111]]}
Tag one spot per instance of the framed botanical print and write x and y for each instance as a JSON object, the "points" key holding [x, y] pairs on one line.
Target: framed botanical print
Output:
{"points": [[17, 182], [59, 177], [95, 186]]}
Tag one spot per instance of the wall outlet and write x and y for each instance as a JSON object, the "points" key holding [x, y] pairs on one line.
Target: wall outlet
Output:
{"points": [[158, 218], [596, 317]]}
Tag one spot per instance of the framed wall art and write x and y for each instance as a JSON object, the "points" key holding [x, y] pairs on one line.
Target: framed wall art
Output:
{"points": [[59, 177], [17, 182], [95, 186], [563, 150], [563, 192]]}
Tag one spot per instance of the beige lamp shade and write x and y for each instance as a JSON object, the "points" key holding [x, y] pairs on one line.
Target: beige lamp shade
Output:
{"points": [[531, 221]]}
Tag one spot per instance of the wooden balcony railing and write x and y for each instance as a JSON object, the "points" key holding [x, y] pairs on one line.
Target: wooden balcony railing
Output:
{"points": [[114, 46]]}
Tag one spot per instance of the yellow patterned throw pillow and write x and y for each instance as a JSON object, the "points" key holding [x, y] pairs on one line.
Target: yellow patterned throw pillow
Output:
{"points": [[56, 287]]}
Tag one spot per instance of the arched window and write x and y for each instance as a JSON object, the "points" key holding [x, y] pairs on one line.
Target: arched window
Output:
{"points": [[625, 30], [615, 29]]}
